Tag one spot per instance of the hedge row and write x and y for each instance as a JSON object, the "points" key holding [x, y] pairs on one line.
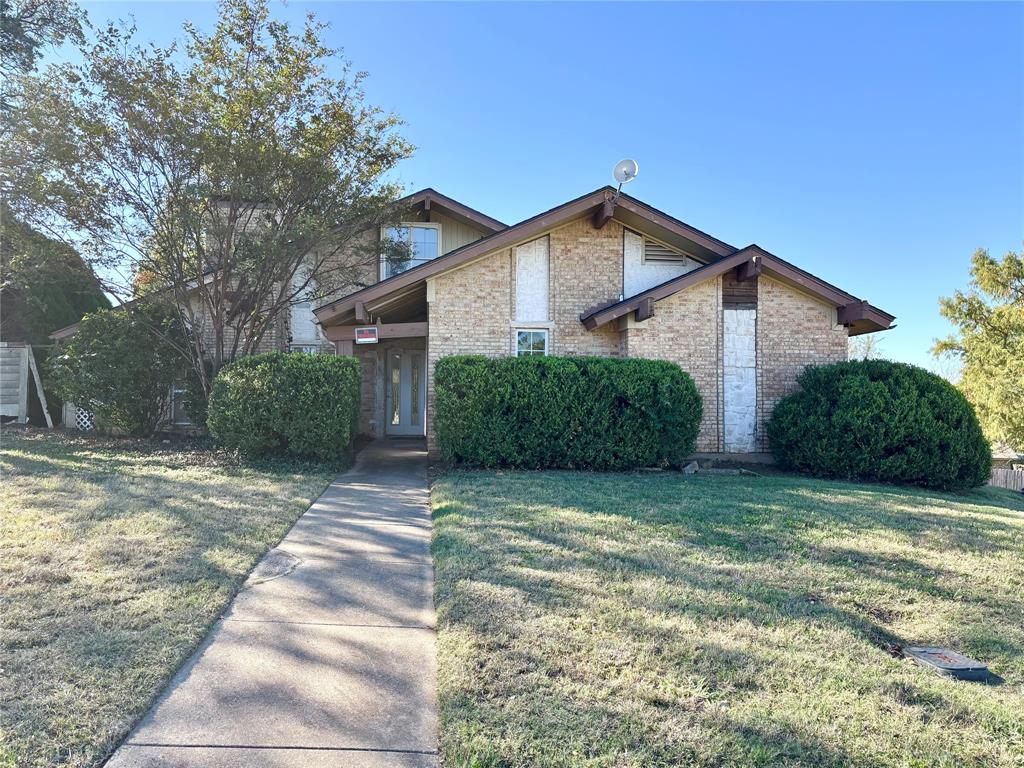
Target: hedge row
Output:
{"points": [[296, 404], [582, 412], [879, 420]]}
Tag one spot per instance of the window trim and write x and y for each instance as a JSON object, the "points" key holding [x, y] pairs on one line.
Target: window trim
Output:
{"points": [[408, 224], [528, 328]]}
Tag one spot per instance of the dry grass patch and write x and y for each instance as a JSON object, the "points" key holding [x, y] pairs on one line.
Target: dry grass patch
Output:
{"points": [[115, 559], [656, 620]]}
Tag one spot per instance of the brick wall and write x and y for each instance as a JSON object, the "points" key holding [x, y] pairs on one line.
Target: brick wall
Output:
{"points": [[472, 312], [469, 315], [370, 363], [586, 270], [793, 331], [686, 330], [473, 308]]}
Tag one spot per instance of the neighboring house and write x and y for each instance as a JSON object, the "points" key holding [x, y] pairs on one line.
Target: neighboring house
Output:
{"points": [[1005, 457], [603, 274]]}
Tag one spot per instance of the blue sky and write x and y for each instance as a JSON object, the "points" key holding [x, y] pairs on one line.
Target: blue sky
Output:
{"points": [[875, 145]]}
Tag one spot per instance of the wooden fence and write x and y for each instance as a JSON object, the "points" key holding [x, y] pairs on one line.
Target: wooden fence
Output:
{"points": [[1008, 478]]}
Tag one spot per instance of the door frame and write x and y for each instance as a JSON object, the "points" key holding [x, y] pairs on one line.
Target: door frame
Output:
{"points": [[407, 358]]}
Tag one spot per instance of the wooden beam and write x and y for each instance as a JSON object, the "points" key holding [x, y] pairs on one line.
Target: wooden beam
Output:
{"points": [[39, 387], [604, 214], [339, 333], [343, 347], [748, 270], [426, 207], [361, 315], [645, 310], [848, 314]]}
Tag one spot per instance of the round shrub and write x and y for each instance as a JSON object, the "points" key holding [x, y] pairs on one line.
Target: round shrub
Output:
{"points": [[879, 420], [570, 412], [286, 404]]}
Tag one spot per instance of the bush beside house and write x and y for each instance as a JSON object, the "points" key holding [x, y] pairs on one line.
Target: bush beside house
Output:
{"points": [[883, 421], [299, 405], [584, 412], [121, 365]]}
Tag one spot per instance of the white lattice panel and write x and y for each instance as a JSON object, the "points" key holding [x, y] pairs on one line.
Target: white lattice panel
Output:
{"points": [[85, 420]]}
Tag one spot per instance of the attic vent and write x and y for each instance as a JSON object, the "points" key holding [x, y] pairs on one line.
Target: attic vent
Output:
{"points": [[658, 252]]}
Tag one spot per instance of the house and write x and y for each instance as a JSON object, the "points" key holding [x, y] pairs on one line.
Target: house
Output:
{"points": [[604, 274]]}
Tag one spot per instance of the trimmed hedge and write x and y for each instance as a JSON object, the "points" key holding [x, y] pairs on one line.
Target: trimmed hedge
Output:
{"points": [[287, 404], [879, 420], [569, 412]]}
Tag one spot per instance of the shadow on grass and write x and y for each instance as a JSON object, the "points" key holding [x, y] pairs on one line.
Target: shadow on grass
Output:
{"points": [[117, 563], [526, 559]]}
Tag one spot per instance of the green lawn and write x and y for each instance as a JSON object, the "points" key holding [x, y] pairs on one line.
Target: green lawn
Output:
{"points": [[656, 620], [115, 559]]}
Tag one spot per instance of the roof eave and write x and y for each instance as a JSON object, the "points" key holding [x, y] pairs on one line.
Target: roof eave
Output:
{"points": [[521, 232], [867, 319], [429, 196]]}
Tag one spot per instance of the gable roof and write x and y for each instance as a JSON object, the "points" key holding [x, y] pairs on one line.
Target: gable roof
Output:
{"points": [[430, 198], [860, 316], [707, 248]]}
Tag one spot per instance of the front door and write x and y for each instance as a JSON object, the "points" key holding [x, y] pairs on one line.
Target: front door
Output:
{"points": [[406, 406]]}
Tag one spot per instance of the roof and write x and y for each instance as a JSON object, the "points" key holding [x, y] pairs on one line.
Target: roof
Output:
{"points": [[707, 248], [860, 316], [429, 198]]}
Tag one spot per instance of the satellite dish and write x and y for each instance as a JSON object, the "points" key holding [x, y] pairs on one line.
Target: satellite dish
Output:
{"points": [[625, 171]]}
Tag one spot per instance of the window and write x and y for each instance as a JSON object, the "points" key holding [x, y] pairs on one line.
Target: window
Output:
{"points": [[531, 343], [422, 242], [309, 349]]}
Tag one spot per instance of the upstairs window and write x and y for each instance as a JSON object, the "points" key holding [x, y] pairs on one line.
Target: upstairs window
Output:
{"points": [[422, 243]]}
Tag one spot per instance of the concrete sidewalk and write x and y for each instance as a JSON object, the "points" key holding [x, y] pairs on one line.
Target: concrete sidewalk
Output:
{"points": [[326, 657]]}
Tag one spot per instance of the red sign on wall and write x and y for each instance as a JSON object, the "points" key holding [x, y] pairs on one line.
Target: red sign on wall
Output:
{"points": [[366, 335]]}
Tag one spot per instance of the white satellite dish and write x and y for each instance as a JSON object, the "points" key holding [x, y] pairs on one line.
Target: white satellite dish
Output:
{"points": [[625, 171]]}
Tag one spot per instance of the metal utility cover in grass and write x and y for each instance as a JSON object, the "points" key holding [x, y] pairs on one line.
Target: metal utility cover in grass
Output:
{"points": [[947, 662]]}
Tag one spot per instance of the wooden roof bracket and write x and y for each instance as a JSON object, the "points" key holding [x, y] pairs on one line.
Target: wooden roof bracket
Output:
{"points": [[848, 314], [645, 310], [748, 270], [604, 213]]}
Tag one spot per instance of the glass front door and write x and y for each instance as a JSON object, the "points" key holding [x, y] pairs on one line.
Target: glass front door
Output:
{"points": [[406, 406]]}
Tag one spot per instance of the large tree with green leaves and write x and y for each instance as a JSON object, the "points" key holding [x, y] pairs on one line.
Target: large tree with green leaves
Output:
{"points": [[238, 172], [44, 284], [28, 26], [989, 317]]}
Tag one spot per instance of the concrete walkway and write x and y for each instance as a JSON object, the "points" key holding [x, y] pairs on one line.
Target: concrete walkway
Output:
{"points": [[330, 663]]}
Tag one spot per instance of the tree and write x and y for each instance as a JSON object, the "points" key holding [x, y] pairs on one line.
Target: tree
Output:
{"points": [[235, 179], [26, 26], [44, 284], [113, 367], [866, 346], [990, 344]]}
